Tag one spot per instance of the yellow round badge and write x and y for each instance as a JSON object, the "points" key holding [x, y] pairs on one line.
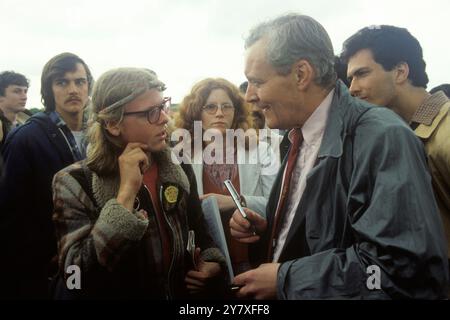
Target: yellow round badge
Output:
{"points": [[171, 194]]}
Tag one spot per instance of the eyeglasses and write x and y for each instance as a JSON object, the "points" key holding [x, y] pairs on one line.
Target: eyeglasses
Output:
{"points": [[211, 108], [153, 112]]}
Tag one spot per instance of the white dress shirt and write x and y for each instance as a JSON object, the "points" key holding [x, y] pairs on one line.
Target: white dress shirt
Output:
{"points": [[312, 132]]}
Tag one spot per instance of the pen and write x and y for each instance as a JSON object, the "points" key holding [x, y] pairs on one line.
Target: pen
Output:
{"points": [[237, 200]]}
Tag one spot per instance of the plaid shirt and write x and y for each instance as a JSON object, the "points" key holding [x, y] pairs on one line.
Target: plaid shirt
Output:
{"points": [[429, 109]]}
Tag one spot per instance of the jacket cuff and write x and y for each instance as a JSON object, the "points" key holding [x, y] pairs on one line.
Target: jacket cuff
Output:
{"points": [[283, 272], [117, 220], [214, 255]]}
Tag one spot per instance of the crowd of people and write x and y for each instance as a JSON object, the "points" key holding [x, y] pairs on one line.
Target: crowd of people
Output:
{"points": [[342, 165]]}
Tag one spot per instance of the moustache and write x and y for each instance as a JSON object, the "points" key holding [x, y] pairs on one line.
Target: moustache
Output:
{"points": [[73, 98]]}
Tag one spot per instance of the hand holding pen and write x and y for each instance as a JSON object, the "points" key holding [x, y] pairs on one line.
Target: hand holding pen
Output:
{"points": [[237, 201], [247, 230]]}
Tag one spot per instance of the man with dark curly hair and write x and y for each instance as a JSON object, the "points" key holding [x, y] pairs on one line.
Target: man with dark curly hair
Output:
{"points": [[13, 97], [386, 67]]}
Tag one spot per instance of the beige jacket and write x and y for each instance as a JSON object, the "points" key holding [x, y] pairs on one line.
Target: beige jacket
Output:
{"points": [[436, 139]]}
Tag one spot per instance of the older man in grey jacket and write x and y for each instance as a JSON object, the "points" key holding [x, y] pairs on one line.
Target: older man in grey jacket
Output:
{"points": [[352, 212]]}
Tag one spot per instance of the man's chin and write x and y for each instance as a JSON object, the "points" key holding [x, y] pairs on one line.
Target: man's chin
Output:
{"points": [[20, 108], [272, 124], [157, 147]]}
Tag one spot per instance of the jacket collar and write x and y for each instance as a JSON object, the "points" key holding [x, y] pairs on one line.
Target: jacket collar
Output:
{"points": [[43, 120], [106, 188], [429, 108], [441, 106], [330, 146]]}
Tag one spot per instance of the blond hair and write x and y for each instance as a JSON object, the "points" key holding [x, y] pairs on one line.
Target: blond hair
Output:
{"points": [[112, 92]]}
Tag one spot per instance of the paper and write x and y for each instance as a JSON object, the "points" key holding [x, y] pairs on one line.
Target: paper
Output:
{"points": [[215, 228]]}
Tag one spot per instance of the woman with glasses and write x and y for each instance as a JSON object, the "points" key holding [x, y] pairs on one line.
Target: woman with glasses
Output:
{"points": [[217, 106], [123, 215]]}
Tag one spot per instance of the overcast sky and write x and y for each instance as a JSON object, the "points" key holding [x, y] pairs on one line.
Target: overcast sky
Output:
{"points": [[185, 41]]}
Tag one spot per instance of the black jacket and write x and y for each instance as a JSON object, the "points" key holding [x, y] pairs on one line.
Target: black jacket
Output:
{"points": [[32, 154]]}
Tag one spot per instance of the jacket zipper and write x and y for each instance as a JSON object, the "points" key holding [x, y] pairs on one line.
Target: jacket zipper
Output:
{"points": [[174, 248], [168, 284]]}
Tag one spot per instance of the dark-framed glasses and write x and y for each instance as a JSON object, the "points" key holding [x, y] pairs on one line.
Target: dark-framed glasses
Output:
{"points": [[153, 112], [211, 108]]}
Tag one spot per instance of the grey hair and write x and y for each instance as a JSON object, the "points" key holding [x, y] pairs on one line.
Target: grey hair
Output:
{"points": [[292, 37], [113, 90]]}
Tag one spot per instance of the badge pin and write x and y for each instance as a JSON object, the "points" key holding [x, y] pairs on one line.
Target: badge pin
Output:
{"points": [[171, 194]]}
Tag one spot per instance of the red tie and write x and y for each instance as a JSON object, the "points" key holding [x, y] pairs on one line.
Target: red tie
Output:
{"points": [[297, 139]]}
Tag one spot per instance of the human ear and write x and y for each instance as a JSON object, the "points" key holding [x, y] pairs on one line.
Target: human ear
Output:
{"points": [[401, 72], [113, 127], [304, 74]]}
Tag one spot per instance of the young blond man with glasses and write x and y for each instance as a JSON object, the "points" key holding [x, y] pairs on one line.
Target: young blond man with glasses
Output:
{"points": [[123, 215]]}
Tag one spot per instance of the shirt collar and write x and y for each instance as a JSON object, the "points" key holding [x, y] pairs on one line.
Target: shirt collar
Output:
{"points": [[429, 108], [314, 127]]}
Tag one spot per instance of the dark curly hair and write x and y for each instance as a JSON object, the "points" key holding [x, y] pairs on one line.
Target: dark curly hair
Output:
{"points": [[390, 46], [8, 78]]}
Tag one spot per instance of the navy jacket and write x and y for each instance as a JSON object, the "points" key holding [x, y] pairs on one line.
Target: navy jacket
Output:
{"points": [[32, 154], [368, 202]]}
